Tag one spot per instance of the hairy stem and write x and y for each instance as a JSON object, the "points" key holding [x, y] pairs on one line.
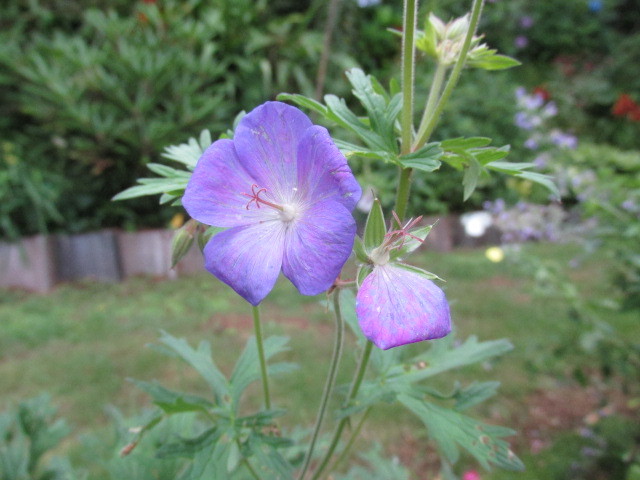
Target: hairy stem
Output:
{"points": [[408, 72], [331, 379], [434, 96], [263, 363], [402, 194], [408, 76]]}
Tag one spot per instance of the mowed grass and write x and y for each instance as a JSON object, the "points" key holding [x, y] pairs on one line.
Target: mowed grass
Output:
{"points": [[82, 341]]}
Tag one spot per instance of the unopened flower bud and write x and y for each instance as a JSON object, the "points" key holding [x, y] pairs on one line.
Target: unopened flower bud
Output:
{"points": [[182, 241], [457, 29]]}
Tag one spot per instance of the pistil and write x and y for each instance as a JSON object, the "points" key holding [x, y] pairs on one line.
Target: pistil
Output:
{"points": [[254, 197]]}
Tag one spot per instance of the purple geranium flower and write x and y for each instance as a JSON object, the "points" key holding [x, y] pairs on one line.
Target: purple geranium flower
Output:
{"points": [[398, 304], [285, 193]]}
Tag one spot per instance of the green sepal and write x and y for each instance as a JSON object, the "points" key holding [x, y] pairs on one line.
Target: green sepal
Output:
{"points": [[411, 244], [427, 40], [359, 250], [375, 228], [204, 235], [487, 59], [418, 270], [363, 271]]}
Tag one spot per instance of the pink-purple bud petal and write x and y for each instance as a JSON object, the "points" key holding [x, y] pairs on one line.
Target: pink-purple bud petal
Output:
{"points": [[397, 307]]}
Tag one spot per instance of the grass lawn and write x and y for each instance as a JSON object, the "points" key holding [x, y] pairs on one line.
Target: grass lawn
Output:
{"points": [[81, 342]]}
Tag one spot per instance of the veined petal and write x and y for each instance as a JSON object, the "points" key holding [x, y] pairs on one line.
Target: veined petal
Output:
{"points": [[266, 140], [317, 245], [323, 171], [247, 258], [396, 307], [214, 193]]}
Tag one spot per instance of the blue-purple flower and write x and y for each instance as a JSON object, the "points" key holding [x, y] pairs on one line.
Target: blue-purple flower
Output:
{"points": [[398, 304], [284, 193]]}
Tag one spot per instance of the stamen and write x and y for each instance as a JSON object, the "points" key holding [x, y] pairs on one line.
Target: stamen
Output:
{"points": [[402, 233], [254, 197]]}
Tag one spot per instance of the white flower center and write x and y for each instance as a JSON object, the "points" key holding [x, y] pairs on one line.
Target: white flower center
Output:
{"points": [[380, 256], [289, 213]]}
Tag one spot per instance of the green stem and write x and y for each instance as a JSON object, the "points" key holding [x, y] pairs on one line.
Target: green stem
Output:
{"points": [[408, 72], [402, 193], [427, 130], [331, 379], [352, 439], [408, 75], [263, 363], [353, 392], [434, 95]]}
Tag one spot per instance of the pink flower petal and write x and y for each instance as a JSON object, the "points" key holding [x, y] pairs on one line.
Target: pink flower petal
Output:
{"points": [[396, 307]]}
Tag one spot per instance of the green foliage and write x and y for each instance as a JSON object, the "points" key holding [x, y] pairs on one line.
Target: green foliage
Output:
{"points": [[29, 195], [399, 376], [97, 97], [28, 434], [172, 186], [230, 441], [476, 158], [377, 468], [378, 131], [610, 194]]}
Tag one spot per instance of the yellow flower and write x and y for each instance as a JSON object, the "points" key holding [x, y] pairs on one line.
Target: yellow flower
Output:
{"points": [[494, 254], [177, 221]]}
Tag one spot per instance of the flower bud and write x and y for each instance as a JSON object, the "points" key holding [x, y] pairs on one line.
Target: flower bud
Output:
{"points": [[182, 241], [443, 41]]}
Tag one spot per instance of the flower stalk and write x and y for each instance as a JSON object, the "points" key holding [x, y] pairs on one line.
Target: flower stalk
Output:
{"points": [[353, 392], [263, 363], [330, 382]]}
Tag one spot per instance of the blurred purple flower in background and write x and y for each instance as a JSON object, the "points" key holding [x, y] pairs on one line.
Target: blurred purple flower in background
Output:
{"points": [[526, 21], [285, 194], [521, 41], [550, 110], [531, 143], [563, 140]]}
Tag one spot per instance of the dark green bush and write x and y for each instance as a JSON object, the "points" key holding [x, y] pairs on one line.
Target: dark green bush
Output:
{"points": [[96, 94]]}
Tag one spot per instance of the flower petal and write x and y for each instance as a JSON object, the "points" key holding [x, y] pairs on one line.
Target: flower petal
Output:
{"points": [[214, 193], [317, 245], [396, 307], [266, 140], [323, 171], [247, 258]]}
